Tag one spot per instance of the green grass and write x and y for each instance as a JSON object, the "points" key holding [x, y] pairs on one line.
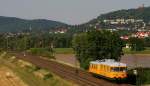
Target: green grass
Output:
{"points": [[63, 50], [128, 51], [147, 76], [29, 78]]}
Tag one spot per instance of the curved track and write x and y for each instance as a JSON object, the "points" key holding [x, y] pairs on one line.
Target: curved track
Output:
{"points": [[78, 76]]}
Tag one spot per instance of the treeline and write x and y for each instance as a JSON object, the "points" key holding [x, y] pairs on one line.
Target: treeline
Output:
{"points": [[26, 41], [137, 44]]}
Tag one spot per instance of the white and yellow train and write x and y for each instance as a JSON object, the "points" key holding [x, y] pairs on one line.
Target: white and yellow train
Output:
{"points": [[108, 68]]}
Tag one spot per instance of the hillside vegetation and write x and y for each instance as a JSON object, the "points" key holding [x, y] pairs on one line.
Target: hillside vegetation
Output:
{"points": [[12, 24]]}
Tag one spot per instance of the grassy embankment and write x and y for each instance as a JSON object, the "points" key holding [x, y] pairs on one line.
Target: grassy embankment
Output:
{"points": [[30, 74]]}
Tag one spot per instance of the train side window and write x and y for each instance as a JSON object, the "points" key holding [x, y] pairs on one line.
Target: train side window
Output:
{"points": [[93, 66], [96, 66], [99, 66], [104, 67], [108, 68]]}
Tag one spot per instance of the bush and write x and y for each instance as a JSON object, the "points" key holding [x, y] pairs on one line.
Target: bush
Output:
{"points": [[45, 52], [48, 76], [143, 76]]}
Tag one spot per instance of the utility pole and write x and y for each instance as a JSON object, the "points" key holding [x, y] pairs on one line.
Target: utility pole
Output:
{"points": [[24, 54], [7, 45]]}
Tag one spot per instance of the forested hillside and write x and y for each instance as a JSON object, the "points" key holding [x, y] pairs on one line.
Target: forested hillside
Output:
{"points": [[12, 24]]}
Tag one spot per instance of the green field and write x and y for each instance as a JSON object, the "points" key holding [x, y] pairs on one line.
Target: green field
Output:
{"points": [[28, 76], [128, 51], [125, 50], [63, 51]]}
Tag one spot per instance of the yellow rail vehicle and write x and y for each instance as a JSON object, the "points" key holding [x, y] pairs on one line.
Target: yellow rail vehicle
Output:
{"points": [[108, 68]]}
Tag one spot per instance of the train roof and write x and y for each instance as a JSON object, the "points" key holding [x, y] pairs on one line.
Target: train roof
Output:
{"points": [[109, 62]]}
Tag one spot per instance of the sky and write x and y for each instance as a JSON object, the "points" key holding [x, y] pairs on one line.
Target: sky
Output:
{"points": [[67, 11]]}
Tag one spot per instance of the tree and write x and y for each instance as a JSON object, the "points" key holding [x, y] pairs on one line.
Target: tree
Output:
{"points": [[137, 44], [95, 45], [147, 42]]}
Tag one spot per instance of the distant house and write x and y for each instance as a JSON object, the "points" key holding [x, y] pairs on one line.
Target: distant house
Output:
{"points": [[60, 30], [122, 21], [124, 37], [141, 34], [128, 46], [114, 22]]}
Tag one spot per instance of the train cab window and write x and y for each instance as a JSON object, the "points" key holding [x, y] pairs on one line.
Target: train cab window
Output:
{"points": [[117, 69], [124, 69]]}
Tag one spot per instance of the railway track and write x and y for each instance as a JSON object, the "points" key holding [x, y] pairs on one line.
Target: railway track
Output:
{"points": [[75, 75]]}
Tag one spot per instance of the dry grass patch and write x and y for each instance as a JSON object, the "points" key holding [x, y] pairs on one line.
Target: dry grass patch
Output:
{"points": [[8, 78]]}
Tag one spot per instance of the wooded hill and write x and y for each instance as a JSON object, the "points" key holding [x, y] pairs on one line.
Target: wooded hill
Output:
{"points": [[12, 24]]}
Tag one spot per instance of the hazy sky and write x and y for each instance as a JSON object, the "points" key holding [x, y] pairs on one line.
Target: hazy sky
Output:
{"points": [[68, 11]]}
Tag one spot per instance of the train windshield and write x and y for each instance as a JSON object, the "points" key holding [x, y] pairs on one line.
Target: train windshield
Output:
{"points": [[116, 69]]}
